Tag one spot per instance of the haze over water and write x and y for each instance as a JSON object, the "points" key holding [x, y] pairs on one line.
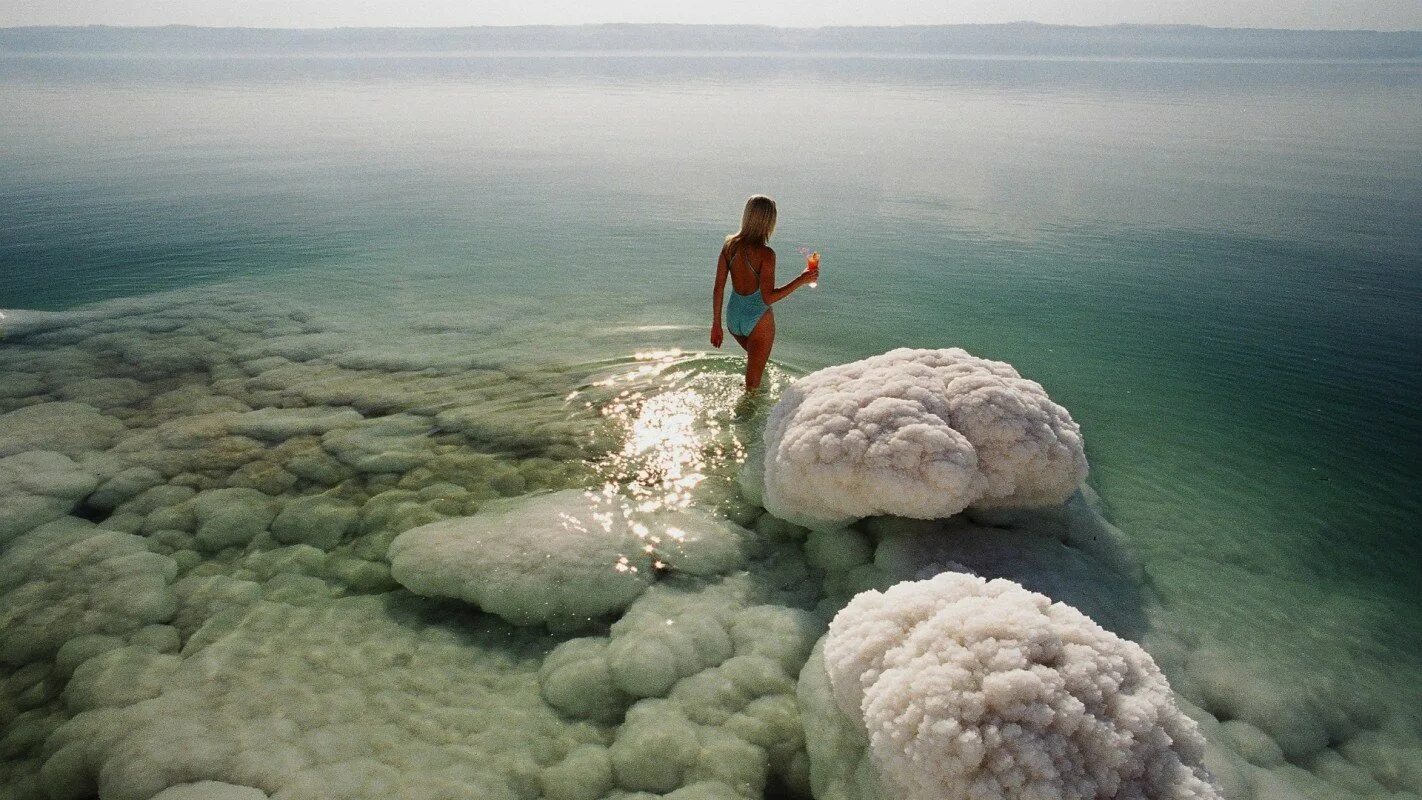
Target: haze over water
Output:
{"points": [[1215, 265]]}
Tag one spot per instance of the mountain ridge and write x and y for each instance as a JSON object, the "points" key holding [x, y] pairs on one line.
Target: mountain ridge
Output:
{"points": [[1009, 38]]}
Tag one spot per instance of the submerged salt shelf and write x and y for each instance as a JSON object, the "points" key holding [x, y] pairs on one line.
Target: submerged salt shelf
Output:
{"points": [[201, 501]]}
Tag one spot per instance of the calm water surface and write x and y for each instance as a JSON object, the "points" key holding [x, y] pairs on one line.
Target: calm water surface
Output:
{"points": [[1216, 266]]}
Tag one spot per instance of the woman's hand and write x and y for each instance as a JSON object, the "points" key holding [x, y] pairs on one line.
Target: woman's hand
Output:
{"points": [[717, 336], [810, 275]]}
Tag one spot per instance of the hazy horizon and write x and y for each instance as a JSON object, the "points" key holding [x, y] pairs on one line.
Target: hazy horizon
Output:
{"points": [[986, 40], [279, 300], [788, 27], [1380, 15]]}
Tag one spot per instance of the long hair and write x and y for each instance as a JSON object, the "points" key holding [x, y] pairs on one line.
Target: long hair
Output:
{"points": [[757, 222]]}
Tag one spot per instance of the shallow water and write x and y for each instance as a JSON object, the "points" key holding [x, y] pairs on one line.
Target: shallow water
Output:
{"points": [[1213, 265]]}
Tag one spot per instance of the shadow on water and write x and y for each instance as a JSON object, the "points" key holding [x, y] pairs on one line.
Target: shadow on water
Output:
{"points": [[1071, 554]]}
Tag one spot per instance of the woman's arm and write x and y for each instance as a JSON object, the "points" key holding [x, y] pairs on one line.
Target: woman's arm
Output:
{"points": [[718, 297], [768, 292]]}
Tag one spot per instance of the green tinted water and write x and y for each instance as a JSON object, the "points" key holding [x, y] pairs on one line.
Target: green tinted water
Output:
{"points": [[1216, 266]]}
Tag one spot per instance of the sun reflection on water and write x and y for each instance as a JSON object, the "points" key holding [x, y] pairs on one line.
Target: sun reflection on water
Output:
{"points": [[679, 442], [674, 432]]}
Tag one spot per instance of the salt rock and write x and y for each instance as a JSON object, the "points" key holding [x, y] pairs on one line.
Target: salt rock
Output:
{"points": [[20, 384], [299, 347], [278, 424], [37, 487], [585, 774], [352, 698], [396, 443], [160, 498], [68, 428], [231, 517], [267, 475], [202, 597], [316, 520], [564, 559], [104, 392], [68, 578], [191, 400], [201, 443], [124, 486], [676, 630], [210, 790], [82, 648], [171, 355], [916, 433], [701, 674], [695, 543], [959, 682]]}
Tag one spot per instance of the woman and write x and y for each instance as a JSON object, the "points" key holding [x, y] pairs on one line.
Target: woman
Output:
{"points": [[751, 265]]}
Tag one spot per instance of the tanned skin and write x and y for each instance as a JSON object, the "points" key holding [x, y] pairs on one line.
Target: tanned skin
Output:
{"points": [[757, 345]]}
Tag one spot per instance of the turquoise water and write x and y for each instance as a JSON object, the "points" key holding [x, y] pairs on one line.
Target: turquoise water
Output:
{"points": [[1216, 266]]}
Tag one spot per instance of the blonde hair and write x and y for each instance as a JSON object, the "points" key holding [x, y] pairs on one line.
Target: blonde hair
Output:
{"points": [[757, 222]]}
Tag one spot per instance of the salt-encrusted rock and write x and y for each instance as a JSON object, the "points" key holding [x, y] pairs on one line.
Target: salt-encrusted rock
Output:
{"points": [[210, 790], [356, 698], [20, 384], [68, 578], [317, 520], [202, 597], [565, 559], [203, 443], [276, 424], [104, 393], [124, 486], [231, 517], [68, 428], [696, 543], [972, 688], [190, 400], [396, 443], [38, 486], [298, 347], [916, 433], [702, 676]]}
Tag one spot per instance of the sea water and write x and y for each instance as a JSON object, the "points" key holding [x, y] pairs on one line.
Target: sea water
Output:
{"points": [[1216, 266]]}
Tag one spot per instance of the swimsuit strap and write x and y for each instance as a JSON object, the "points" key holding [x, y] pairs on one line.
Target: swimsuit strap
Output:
{"points": [[731, 259]]}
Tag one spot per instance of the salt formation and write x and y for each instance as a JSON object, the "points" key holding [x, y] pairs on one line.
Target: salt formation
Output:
{"points": [[1069, 553], [232, 466], [702, 677], [971, 688], [565, 559], [917, 433], [68, 428], [360, 697], [198, 492], [68, 579], [836, 744], [39, 486]]}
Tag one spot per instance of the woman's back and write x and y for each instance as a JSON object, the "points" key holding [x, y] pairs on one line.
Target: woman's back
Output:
{"points": [[744, 259], [750, 264]]}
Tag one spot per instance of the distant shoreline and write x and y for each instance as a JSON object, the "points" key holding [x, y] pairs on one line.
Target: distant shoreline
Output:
{"points": [[706, 55], [991, 40]]}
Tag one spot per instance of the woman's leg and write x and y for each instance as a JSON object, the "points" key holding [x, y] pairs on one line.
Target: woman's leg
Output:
{"points": [[757, 345]]}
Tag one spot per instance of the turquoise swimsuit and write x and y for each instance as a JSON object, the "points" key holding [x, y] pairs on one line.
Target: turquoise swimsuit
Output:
{"points": [[744, 310]]}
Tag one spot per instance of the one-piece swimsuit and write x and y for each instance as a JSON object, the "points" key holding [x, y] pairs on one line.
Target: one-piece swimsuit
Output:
{"points": [[744, 310]]}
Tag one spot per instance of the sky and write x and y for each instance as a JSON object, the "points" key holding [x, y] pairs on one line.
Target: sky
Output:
{"points": [[1346, 14]]}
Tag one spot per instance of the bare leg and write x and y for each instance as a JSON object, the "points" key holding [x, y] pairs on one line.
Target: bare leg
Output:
{"points": [[757, 345]]}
